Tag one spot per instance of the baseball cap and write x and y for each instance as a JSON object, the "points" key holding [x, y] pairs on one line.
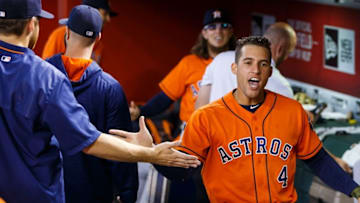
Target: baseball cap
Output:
{"points": [[84, 20], [104, 4], [22, 9], [215, 15]]}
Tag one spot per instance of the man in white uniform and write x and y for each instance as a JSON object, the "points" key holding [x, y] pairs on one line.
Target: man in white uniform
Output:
{"points": [[218, 78]]}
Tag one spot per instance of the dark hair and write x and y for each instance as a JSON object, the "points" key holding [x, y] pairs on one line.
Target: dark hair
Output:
{"points": [[13, 26], [253, 40], [201, 49]]}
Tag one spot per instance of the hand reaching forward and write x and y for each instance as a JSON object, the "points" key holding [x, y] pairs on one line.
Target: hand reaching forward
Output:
{"points": [[134, 111], [165, 155], [161, 154], [143, 137]]}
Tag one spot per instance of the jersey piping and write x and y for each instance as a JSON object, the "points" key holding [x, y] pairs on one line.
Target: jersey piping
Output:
{"points": [[203, 158], [266, 156], [316, 149], [12, 51], [252, 144]]}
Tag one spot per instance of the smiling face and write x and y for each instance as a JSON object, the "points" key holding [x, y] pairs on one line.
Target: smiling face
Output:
{"points": [[217, 34], [252, 71]]}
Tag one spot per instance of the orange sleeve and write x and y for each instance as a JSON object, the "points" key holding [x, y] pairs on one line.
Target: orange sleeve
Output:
{"points": [[55, 43], [195, 139], [174, 84], [309, 143]]}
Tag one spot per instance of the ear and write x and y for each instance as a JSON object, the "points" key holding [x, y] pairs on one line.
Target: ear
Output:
{"points": [[271, 71], [31, 25], [281, 49], [98, 37], [67, 33], [234, 68]]}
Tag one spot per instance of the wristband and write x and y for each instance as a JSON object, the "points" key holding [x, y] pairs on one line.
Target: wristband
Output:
{"points": [[356, 192]]}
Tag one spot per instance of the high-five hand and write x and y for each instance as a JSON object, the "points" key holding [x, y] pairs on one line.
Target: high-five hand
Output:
{"points": [[143, 137], [162, 154], [167, 156]]}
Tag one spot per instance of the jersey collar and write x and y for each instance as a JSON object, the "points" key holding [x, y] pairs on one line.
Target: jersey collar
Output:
{"points": [[231, 103], [14, 49]]}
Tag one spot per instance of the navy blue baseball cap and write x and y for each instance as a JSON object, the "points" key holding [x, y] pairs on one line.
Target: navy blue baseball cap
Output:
{"points": [[104, 4], [84, 20], [22, 9], [214, 16]]}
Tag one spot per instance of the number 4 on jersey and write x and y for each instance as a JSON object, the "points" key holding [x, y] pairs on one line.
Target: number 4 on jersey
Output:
{"points": [[283, 177]]}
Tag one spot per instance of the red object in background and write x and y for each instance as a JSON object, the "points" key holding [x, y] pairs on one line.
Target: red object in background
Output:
{"points": [[148, 38]]}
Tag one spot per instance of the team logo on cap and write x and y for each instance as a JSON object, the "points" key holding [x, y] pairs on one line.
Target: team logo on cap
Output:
{"points": [[216, 14], [89, 33], [2, 14]]}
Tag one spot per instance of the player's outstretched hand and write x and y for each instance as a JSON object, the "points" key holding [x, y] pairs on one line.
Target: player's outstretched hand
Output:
{"points": [[134, 111], [167, 156], [143, 137], [161, 154]]}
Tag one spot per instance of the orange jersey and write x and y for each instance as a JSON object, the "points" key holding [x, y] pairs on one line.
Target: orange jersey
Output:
{"points": [[56, 44], [183, 82], [250, 157]]}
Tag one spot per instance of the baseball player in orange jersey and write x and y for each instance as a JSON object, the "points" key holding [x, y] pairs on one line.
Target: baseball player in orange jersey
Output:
{"points": [[184, 79], [183, 82], [249, 140]]}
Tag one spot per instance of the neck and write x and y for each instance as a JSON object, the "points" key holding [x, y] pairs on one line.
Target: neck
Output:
{"points": [[214, 51], [245, 100], [75, 51], [20, 41]]}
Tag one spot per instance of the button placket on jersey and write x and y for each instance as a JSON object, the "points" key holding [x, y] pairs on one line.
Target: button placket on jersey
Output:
{"points": [[255, 125]]}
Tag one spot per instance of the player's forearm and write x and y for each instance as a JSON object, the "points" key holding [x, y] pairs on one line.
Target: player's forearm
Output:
{"points": [[156, 105], [110, 147], [330, 172], [203, 96]]}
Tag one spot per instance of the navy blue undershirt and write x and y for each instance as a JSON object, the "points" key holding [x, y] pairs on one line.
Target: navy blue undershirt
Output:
{"points": [[156, 105], [322, 164], [252, 108]]}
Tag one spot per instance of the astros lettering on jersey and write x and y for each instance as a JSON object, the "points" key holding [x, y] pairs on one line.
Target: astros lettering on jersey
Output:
{"points": [[250, 157]]}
